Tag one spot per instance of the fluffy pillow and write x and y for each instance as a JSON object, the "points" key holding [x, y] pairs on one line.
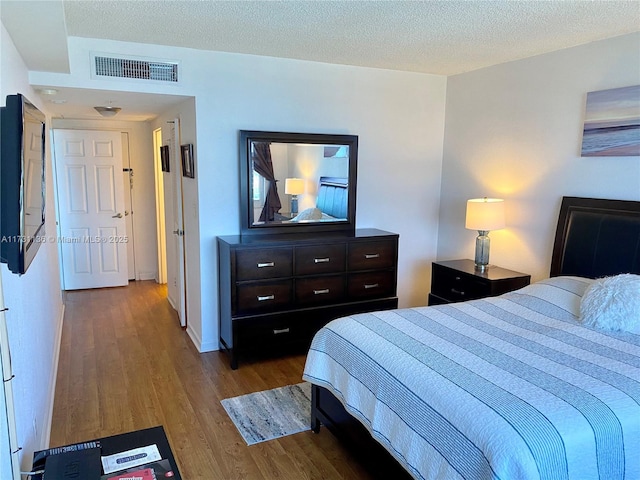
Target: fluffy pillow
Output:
{"points": [[613, 303], [308, 214]]}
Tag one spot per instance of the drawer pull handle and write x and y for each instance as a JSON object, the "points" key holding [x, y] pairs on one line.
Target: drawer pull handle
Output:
{"points": [[282, 330], [321, 260], [320, 292], [266, 264], [458, 292], [262, 298], [369, 256], [370, 285]]}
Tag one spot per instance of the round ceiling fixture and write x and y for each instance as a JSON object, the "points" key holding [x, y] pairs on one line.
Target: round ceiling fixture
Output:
{"points": [[48, 91], [108, 111]]}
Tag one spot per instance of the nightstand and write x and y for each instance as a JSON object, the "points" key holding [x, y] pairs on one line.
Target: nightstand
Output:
{"points": [[458, 280]]}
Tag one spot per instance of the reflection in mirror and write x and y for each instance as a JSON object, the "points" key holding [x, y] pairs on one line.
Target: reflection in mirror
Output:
{"points": [[299, 180]]}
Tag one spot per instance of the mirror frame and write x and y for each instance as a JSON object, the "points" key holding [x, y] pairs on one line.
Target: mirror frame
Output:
{"points": [[246, 173]]}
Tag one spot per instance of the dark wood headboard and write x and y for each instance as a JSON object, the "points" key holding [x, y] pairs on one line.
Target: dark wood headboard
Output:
{"points": [[596, 238], [332, 196]]}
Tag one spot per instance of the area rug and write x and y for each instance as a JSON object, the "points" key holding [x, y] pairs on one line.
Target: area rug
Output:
{"points": [[270, 414]]}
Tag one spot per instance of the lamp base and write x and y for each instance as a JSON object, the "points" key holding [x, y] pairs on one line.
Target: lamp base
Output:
{"points": [[482, 268], [482, 250]]}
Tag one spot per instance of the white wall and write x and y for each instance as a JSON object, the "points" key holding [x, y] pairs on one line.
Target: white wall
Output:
{"points": [[515, 131], [34, 318], [186, 114], [144, 201], [398, 116]]}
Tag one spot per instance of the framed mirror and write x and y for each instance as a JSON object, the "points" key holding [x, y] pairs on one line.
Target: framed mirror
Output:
{"points": [[297, 182]]}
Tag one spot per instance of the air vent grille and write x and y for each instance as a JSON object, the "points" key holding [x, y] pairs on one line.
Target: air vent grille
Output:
{"points": [[139, 69]]}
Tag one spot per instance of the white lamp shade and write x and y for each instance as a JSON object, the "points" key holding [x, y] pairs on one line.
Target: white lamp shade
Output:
{"points": [[485, 214], [294, 186]]}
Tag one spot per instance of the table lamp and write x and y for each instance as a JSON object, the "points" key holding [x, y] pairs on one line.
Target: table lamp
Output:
{"points": [[483, 215], [294, 187]]}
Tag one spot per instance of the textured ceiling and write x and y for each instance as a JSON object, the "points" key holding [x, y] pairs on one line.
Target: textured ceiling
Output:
{"points": [[440, 37], [437, 36]]}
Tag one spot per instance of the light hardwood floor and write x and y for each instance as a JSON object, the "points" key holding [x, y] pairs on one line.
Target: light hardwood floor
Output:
{"points": [[125, 364]]}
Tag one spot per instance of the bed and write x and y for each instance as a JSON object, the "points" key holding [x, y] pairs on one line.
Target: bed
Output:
{"points": [[331, 202], [509, 387]]}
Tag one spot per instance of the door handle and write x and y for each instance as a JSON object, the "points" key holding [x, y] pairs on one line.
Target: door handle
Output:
{"points": [[119, 215]]}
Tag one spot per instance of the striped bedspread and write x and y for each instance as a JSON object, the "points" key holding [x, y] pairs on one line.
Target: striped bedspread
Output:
{"points": [[511, 387]]}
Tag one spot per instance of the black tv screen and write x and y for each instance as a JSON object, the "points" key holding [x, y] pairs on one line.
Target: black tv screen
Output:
{"points": [[22, 182]]}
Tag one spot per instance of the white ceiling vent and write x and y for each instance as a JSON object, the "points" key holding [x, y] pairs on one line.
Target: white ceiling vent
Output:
{"points": [[141, 69]]}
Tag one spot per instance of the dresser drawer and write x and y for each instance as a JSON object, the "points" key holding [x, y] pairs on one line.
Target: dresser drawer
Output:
{"points": [[269, 333], [256, 264], [371, 284], [320, 259], [457, 287], [263, 296], [326, 289], [372, 255]]}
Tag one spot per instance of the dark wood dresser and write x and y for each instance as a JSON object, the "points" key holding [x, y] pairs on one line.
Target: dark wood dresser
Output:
{"points": [[277, 291], [458, 280]]}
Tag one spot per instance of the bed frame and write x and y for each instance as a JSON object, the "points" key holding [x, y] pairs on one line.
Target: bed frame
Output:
{"points": [[333, 196], [594, 238]]}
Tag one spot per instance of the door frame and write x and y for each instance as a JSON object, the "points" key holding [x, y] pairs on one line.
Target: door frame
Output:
{"points": [[56, 188], [106, 128]]}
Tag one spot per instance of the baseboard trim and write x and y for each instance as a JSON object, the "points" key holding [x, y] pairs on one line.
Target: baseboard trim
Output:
{"points": [[171, 302], [147, 276], [54, 378], [197, 341]]}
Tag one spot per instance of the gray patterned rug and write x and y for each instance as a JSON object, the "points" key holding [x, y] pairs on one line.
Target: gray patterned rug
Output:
{"points": [[270, 414]]}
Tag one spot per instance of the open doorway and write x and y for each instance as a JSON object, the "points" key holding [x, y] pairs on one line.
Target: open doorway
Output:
{"points": [[158, 167], [159, 235]]}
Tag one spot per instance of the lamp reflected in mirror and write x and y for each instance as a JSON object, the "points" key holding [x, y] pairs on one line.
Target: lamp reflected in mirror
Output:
{"points": [[294, 187]]}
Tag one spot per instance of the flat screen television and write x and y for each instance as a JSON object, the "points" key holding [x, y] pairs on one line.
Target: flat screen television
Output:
{"points": [[22, 182]]}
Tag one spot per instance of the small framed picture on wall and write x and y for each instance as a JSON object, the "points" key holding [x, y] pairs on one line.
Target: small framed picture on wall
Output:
{"points": [[164, 158], [187, 160]]}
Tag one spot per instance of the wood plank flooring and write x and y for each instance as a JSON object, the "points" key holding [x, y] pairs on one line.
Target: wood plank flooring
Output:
{"points": [[125, 364]]}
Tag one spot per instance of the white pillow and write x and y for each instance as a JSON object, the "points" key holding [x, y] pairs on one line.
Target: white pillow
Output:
{"points": [[563, 292], [308, 214], [613, 303]]}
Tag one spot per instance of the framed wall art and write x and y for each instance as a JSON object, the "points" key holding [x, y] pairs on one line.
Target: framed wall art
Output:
{"points": [[187, 161], [612, 123]]}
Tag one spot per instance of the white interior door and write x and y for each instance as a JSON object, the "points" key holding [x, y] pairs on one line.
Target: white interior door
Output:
{"points": [[93, 238], [174, 222]]}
